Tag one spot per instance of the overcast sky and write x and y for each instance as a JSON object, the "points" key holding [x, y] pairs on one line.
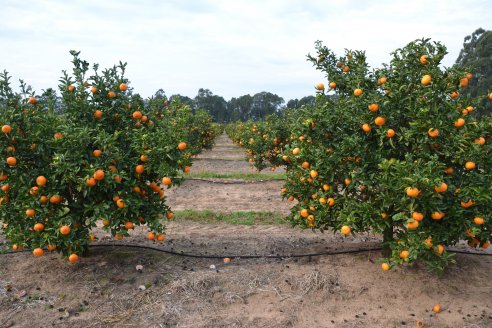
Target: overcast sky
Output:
{"points": [[228, 46]]}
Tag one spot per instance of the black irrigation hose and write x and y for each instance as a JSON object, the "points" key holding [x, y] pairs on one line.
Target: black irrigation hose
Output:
{"points": [[351, 251]]}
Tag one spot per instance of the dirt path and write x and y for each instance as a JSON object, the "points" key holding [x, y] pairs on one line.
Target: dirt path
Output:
{"points": [[339, 291], [226, 157]]}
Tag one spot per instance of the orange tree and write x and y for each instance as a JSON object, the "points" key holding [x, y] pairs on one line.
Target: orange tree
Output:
{"points": [[108, 156], [397, 151]]}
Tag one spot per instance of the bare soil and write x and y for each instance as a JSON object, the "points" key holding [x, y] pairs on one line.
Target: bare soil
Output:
{"points": [[106, 290]]}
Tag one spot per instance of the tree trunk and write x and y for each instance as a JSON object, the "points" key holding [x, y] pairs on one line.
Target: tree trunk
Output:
{"points": [[387, 237]]}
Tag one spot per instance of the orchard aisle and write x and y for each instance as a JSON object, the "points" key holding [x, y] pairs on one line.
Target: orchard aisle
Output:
{"points": [[228, 194]]}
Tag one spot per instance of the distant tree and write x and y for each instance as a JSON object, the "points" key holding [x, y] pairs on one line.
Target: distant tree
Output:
{"points": [[477, 54], [240, 108], [215, 105], [304, 101], [264, 104], [185, 100]]}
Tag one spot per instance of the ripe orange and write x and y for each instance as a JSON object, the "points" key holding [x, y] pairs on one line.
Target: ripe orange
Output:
{"points": [[182, 146], [58, 136], [428, 242], [120, 203], [347, 181], [38, 227], [384, 216], [433, 133], [144, 158], [380, 121], [464, 82], [332, 85], [119, 236], [166, 181], [187, 169], [417, 216], [70, 88], [459, 123], [111, 94], [97, 153], [5, 187], [437, 215], [98, 114], [358, 92], [30, 212], [330, 201], [480, 141], [139, 169], [65, 230], [385, 266], [345, 230], [56, 199], [304, 213], [305, 165], [449, 170], [313, 174], [423, 59], [373, 107], [41, 181], [319, 86], [170, 215], [296, 151], [51, 247], [43, 199], [467, 204], [160, 237], [93, 89], [404, 254], [99, 175], [12, 161], [123, 87], [470, 165], [73, 258], [382, 80], [454, 95], [6, 129], [442, 188], [33, 100], [478, 220], [426, 79], [37, 252], [137, 115], [412, 192], [105, 223], [390, 133], [413, 224], [366, 127], [129, 225], [436, 308], [326, 187]]}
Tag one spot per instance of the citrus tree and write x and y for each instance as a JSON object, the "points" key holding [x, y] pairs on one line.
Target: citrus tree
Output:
{"points": [[99, 153], [397, 151]]}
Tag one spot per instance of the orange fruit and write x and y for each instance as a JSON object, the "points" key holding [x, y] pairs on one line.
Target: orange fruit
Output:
{"points": [[55, 199], [93, 89], [436, 308], [304, 213], [346, 69], [43, 199], [437, 215], [345, 230], [417, 216], [485, 245], [187, 169], [380, 121], [227, 260], [319, 86], [382, 80], [34, 191], [305, 165], [347, 181], [332, 85], [454, 95], [385, 266], [358, 92], [414, 224], [467, 204], [373, 107], [70, 88], [3, 176], [51, 247], [6, 129], [97, 153], [120, 203], [37, 252], [459, 123], [404, 254], [366, 127], [99, 175], [58, 136], [166, 181], [296, 151], [433, 133], [123, 87], [170, 215], [390, 133], [412, 192], [449, 170], [160, 237], [330, 201], [30, 212], [426, 79], [129, 225], [73, 258], [384, 216], [119, 236], [464, 82], [98, 114], [12, 161], [5, 187], [313, 174], [144, 158], [38, 227], [41, 181], [480, 141], [137, 115], [33, 100], [150, 236], [65, 230], [182, 146], [322, 200], [478, 220], [442, 188], [470, 165], [111, 94], [423, 59], [139, 169], [105, 223], [326, 187]]}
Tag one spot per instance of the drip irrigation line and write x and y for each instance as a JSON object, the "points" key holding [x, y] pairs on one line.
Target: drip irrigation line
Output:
{"points": [[285, 256]]}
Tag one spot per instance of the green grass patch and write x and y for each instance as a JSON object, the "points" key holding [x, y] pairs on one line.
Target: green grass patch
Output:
{"points": [[241, 218], [236, 175]]}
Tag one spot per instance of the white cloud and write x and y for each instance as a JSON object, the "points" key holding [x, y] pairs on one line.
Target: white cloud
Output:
{"points": [[230, 47]]}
